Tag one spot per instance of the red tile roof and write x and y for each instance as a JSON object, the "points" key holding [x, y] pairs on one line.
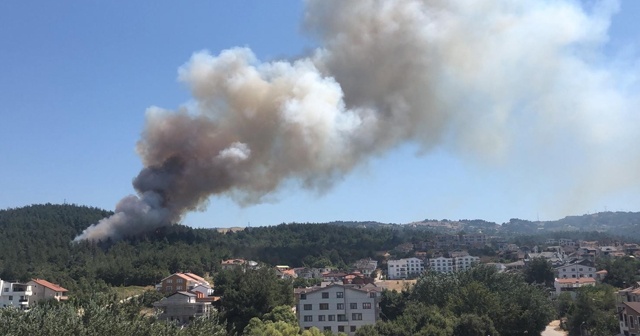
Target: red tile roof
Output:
{"points": [[49, 285], [196, 277]]}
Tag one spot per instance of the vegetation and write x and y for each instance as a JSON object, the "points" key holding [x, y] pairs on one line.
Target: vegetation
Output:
{"points": [[479, 301]]}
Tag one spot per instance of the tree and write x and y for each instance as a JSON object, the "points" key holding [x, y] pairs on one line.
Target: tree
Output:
{"points": [[539, 271], [594, 310]]}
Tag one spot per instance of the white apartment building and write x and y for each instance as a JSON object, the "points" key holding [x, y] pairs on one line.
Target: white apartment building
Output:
{"points": [[15, 294], [336, 307], [404, 268], [457, 262]]}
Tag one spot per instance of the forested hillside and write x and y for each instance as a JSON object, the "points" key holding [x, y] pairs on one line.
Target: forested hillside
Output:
{"points": [[36, 241]]}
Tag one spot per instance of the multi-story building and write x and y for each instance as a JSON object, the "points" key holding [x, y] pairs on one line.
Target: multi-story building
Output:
{"points": [[404, 268], [336, 307], [45, 290], [580, 269], [238, 263], [26, 295], [570, 285], [182, 282], [458, 261], [15, 294], [181, 307], [628, 301]]}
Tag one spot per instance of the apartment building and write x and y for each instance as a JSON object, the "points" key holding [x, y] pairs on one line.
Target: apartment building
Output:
{"points": [[45, 290], [15, 294], [581, 269], [337, 307], [404, 268], [457, 261], [570, 285]]}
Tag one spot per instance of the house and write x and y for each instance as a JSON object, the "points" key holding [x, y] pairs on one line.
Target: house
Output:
{"points": [[570, 285], [629, 317], [337, 307], [238, 263], [566, 242], [404, 268], [182, 282], [365, 266], [181, 307], [45, 290], [580, 269], [628, 303], [15, 294], [311, 273], [285, 273]]}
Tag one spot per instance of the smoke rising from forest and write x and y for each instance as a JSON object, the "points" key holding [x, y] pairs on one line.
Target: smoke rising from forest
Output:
{"points": [[490, 80]]}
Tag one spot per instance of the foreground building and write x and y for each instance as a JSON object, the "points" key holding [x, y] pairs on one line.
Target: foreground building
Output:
{"points": [[570, 285], [177, 282], [628, 303], [26, 295], [337, 307], [182, 307]]}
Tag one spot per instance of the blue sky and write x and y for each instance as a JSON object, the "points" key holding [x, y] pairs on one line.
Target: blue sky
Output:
{"points": [[76, 78]]}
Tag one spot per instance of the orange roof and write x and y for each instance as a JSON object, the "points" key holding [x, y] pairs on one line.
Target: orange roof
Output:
{"points": [[49, 285], [576, 281], [196, 277], [602, 272], [233, 261]]}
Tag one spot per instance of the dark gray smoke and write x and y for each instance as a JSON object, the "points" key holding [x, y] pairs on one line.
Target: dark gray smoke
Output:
{"points": [[485, 78]]}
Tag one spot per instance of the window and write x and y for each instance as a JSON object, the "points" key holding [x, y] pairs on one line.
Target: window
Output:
{"points": [[325, 295], [169, 288], [324, 306], [307, 307], [326, 328], [308, 318], [353, 305], [366, 305], [10, 298], [169, 280], [340, 306], [372, 295], [321, 317], [342, 317], [6, 289], [340, 328], [180, 281], [178, 287], [339, 295], [332, 317], [353, 328], [303, 296], [356, 316]]}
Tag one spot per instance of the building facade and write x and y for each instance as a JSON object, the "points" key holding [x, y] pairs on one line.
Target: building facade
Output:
{"points": [[456, 262], [182, 282], [577, 270], [404, 268], [181, 307], [338, 308]]}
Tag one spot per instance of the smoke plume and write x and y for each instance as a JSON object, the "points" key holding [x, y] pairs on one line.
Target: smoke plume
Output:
{"points": [[488, 79]]}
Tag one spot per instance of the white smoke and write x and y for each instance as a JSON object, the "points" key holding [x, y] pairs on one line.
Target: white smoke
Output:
{"points": [[489, 79]]}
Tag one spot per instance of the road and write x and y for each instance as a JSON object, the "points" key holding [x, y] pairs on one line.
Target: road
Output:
{"points": [[551, 330]]}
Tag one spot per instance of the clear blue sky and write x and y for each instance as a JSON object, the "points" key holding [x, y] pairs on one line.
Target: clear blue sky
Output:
{"points": [[77, 76]]}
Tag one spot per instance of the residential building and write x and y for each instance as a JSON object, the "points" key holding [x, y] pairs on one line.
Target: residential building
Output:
{"points": [[628, 301], [570, 285], [566, 242], [181, 307], [45, 290], [182, 282], [337, 307], [580, 269], [15, 294], [629, 317], [457, 261], [365, 266], [311, 273], [238, 263], [404, 268]]}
